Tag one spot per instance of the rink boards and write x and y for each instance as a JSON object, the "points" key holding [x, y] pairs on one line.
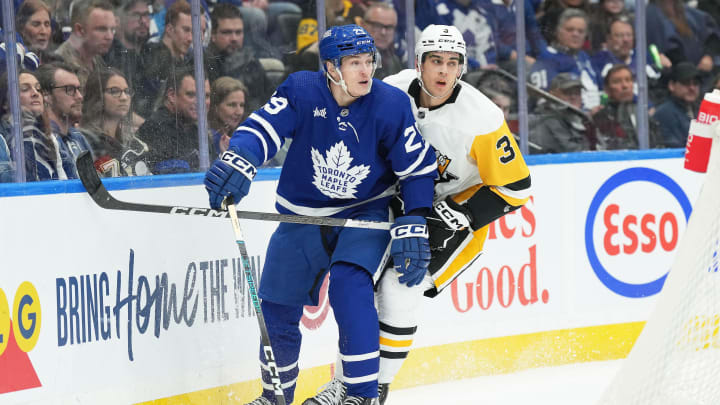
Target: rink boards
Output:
{"points": [[93, 301]]}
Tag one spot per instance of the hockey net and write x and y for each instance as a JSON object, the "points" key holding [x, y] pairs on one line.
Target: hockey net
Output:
{"points": [[676, 359]]}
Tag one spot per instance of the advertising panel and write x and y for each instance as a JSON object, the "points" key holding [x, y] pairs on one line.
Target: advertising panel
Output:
{"points": [[94, 301]]}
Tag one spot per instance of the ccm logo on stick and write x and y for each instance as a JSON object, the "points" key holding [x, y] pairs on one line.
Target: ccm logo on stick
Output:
{"points": [[629, 229]]}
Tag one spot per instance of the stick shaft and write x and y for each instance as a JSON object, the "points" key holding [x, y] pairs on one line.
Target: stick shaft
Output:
{"points": [[99, 194], [264, 336]]}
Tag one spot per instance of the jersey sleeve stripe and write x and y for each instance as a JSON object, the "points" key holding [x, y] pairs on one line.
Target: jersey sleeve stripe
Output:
{"points": [[269, 129], [259, 135], [427, 169], [415, 164], [513, 198]]}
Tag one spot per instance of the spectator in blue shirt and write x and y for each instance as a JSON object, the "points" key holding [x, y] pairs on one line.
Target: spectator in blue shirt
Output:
{"points": [[565, 55], [620, 49]]}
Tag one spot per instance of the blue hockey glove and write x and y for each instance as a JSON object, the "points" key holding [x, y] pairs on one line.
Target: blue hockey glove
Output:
{"points": [[229, 176], [410, 249]]}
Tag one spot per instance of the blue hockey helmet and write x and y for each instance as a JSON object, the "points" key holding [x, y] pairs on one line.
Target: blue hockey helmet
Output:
{"points": [[346, 40]]}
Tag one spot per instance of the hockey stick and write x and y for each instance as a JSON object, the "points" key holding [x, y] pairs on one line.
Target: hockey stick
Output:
{"points": [[264, 337], [98, 192]]}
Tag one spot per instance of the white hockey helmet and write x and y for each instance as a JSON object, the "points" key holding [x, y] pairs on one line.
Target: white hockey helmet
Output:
{"points": [[440, 38]]}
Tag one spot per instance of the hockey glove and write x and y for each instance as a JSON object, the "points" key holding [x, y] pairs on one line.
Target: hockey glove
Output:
{"points": [[229, 176], [410, 249], [448, 225], [454, 215]]}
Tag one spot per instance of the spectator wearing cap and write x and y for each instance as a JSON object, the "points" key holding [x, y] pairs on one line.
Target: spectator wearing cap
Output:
{"points": [[616, 122], [560, 128], [675, 114], [380, 21], [93, 30], [565, 55]]}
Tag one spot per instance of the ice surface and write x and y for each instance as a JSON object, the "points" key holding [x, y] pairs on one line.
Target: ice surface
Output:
{"points": [[575, 384]]}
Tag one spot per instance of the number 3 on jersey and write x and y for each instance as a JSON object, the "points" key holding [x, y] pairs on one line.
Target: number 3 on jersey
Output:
{"points": [[508, 151]]}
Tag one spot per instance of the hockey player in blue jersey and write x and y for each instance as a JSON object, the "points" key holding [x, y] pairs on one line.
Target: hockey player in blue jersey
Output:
{"points": [[350, 148]]}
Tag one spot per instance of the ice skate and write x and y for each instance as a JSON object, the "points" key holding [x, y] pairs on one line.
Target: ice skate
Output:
{"points": [[383, 392], [353, 400], [332, 393], [260, 401]]}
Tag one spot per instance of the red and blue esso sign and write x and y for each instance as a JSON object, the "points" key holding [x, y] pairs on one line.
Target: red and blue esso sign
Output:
{"points": [[633, 232]]}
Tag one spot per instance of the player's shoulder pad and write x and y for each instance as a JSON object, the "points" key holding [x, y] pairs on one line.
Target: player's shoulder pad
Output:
{"points": [[389, 97], [401, 79], [478, 112]]}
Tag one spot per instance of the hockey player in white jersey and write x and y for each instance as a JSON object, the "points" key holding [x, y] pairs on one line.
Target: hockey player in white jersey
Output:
{"points": [[483, 176], [350, 148]]}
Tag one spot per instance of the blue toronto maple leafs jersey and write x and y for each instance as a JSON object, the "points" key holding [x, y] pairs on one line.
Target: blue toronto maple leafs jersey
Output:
{"points": [[476, 21], [341, 159], [553, 61]]}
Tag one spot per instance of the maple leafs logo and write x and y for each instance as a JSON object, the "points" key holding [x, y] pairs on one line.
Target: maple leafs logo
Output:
{"points": [[334, 176]]}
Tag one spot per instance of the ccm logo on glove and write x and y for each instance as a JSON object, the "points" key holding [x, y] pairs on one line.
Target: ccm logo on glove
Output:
{"points": [[409, 231], [453, 219], [238, 163]]}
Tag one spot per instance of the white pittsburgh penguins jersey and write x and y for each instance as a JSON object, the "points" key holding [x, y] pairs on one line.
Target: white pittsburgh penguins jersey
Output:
{"points": [[474, 148]]}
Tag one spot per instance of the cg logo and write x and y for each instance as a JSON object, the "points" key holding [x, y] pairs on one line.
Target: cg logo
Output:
{"points": [[618, 179], [27, 314]]}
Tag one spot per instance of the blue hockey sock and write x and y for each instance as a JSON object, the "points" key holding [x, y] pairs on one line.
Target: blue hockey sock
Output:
{"points": [[352, 299], [282, 323]]}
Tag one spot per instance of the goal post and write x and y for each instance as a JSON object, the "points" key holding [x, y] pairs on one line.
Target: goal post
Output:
{"points": [[676, 359]]}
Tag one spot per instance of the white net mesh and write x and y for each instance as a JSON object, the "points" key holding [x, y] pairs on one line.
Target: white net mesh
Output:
{"points": [[676, 359]]}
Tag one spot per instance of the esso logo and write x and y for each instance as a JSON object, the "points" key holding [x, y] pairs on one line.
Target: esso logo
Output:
{"points": [[314, 316], [633, 228]]}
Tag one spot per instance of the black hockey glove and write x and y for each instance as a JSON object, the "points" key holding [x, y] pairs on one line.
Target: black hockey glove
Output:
{"points": [[448, 222]]}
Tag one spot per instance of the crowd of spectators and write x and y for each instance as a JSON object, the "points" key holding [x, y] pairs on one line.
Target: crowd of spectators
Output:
{"points": [[118, 78]]}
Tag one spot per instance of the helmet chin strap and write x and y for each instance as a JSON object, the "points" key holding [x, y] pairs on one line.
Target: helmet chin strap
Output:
{"points": [[422, 86], [343, 84]]}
